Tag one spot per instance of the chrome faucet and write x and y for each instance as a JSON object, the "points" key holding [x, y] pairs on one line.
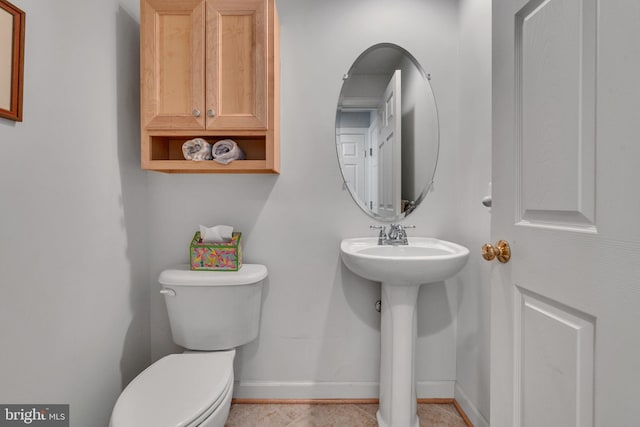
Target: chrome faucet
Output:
{"points": [[397, 234]]}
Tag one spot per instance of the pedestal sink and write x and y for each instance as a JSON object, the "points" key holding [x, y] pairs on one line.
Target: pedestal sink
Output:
{"points": [[401, 270]]}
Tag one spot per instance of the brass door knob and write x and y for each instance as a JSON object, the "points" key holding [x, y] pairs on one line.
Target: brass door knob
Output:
{"points": [[501, 250]]}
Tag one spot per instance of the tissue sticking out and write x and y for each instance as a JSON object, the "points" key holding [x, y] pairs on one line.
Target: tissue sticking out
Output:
{"points": [[217, 234]]}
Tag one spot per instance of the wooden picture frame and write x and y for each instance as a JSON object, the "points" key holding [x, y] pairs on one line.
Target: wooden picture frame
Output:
{"points": [[12, 22]]}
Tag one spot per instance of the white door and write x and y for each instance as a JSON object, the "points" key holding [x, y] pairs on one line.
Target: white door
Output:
{"points": [[389, 149], [372, 161], [565, 311], [352, 146]]}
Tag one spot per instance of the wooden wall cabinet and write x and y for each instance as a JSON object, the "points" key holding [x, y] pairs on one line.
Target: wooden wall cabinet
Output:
{"points": [[209, 69]]}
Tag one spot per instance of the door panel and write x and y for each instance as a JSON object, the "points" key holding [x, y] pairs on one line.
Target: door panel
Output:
{"points": [[564, 310], [238, 71], [174, 75], [389, 149], [352, 159], [236, 64], [172, 64], [555, 85], [555, 346]]}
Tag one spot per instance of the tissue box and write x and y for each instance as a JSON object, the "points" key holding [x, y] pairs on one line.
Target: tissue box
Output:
{"points": [[216, 256]]}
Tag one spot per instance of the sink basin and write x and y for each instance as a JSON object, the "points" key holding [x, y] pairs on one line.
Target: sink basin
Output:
{"points": [[423, 260], [401, 269]]}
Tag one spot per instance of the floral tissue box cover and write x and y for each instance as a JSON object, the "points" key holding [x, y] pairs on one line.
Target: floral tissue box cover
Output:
{"points": [[216, 256]]}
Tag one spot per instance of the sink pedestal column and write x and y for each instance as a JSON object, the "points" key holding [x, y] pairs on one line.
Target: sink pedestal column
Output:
{"points": [[397, 357]]}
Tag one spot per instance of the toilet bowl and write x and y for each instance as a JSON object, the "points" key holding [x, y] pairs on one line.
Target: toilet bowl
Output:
{"points": [[211, 312], [187, 390]]}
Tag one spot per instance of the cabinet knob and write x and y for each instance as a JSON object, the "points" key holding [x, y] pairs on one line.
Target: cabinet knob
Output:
{"points": [[196, 113], [211, 112]]}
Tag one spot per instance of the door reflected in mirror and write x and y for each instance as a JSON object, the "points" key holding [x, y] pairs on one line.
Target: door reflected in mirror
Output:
{"points": [[387, 132]]}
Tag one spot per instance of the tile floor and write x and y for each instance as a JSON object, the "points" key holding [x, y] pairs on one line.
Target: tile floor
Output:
{"points": [[332, 415]]}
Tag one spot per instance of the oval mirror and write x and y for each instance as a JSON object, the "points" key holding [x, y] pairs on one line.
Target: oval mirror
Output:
{"points": [[387, 132]]}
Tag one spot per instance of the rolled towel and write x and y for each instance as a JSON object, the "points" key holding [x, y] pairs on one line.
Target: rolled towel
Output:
{"points": [[226, 150], [217, 234], [197, 149]]}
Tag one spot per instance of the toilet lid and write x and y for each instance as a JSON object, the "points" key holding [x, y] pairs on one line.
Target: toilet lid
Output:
{"points": [[182, 275], [176, 390]]}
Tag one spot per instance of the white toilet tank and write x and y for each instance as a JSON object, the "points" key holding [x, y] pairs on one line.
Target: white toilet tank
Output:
{"points": [[213, 310]]}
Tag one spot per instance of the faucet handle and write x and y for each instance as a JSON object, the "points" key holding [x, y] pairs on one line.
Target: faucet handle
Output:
{"points": [[382, 228], [402, 229], [382, 236]]}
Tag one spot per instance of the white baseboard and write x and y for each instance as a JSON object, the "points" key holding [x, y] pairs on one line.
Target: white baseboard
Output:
{"points": [[331, 390], [470, 409], [435, 389], [304, 390]]}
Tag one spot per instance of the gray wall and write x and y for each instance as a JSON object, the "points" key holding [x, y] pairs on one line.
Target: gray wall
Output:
{"points": [[73, 269], [75, 309], [474, 164], [320, 335]]}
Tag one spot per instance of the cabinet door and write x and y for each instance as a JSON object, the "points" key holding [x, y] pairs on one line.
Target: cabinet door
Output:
{"points": [[172, 64], [237, 58]]}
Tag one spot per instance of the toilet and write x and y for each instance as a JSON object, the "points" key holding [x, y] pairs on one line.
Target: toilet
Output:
{"points": [[211, 313]]}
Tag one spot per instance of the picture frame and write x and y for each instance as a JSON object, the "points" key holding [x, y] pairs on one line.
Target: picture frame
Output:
{"points": [[12, 27]]}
